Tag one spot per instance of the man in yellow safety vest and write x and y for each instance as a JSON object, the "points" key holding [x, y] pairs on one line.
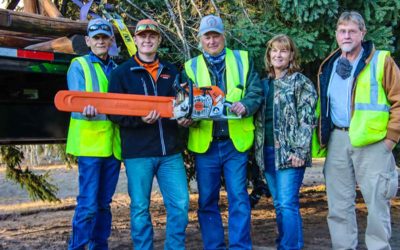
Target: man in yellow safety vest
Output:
{"points": [[359, 124], [222, 146], [95, 141]]}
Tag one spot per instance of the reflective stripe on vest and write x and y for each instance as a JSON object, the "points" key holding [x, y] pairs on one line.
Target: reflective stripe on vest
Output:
{"points": [[96, 136], [240, 131], [371, 107]]}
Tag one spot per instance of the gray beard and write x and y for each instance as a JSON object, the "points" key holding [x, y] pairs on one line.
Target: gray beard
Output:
{"points": [[346, 48]]}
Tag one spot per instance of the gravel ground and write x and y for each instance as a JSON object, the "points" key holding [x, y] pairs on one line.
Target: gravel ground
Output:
{"points": [[29, 225]]}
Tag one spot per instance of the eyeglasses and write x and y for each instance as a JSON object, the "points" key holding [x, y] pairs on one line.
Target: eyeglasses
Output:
{"points": [[147, 27], [95, 27], [344, 32]]}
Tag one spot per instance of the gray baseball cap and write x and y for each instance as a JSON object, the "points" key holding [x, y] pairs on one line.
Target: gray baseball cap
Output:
{"points": [[99, 26], [211, 23]]}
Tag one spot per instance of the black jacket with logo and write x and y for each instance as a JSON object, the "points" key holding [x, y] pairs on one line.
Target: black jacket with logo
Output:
{"points": [[140, 139]]}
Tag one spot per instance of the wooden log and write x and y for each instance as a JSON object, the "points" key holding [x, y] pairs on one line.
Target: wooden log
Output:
{"points": [[41, 25], [20, 39], [62, 44], [30, 6], [50, 9], [71, 45], [79, 44]]}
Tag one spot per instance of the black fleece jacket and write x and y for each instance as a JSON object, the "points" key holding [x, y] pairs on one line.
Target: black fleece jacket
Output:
{"points": [[140, 139]]}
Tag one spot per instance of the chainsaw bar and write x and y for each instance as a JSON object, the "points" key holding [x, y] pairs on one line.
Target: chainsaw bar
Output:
{"points": [[113, 103]]}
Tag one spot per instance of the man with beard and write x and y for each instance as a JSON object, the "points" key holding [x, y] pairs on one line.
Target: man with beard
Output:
{"points": [[359, 124]]}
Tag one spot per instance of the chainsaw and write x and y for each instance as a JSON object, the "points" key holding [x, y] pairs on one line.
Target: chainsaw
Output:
{"points": [[207, 103], [204, 103]]}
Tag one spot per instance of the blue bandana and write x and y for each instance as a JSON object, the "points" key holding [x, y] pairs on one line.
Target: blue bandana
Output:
{"points": [[214, 60], [217, 64]]}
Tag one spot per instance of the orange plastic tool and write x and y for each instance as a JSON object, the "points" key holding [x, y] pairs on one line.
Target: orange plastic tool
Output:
{"points": [[114, 104]]}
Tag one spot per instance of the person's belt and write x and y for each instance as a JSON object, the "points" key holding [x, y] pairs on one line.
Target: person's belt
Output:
{"points": [[341, 128], [221, 138]]}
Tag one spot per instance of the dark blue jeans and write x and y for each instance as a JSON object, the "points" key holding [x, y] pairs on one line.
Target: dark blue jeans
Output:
{"points": [[222, 157], [98, 177], [285, 185], [171, 178]]}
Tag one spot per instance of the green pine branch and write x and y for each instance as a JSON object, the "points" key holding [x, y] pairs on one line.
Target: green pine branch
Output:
{"points": [[37, 185]]}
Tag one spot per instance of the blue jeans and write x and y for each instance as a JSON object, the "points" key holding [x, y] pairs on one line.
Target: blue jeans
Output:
{"points": [[171, 178], [222, 157], [285, 185], [98, 177]]}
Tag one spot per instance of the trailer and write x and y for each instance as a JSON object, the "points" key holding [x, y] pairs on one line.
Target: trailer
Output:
{"points": [[29, 81]]}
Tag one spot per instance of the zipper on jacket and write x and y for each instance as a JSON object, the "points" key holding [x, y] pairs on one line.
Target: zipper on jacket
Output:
{"points": [[160, 127], [146, 92], [328, 96]]}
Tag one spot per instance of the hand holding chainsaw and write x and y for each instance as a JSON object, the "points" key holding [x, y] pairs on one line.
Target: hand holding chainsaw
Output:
{"points": [[152, 117], [238, 108]]}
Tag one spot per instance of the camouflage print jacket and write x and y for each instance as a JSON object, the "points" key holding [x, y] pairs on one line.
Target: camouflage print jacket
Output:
{"points": [[294, 104]]}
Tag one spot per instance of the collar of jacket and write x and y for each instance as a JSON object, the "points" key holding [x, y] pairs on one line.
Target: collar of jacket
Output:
{"points": [[133, 65], [96, 59], [369, 50]]}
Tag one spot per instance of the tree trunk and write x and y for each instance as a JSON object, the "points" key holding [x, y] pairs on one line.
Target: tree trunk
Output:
{"points": [[30, 6], [50, 8]]}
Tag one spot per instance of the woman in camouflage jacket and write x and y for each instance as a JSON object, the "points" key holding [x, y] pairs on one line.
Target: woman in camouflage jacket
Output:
{"points": [[284, 127]]}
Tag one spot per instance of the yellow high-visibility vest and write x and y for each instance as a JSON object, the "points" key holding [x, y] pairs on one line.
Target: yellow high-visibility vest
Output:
{"points": [[240, 131], [371, 107], [98, 137]]}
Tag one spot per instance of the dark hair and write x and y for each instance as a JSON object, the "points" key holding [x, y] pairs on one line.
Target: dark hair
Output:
{"points": [[285, 42]]}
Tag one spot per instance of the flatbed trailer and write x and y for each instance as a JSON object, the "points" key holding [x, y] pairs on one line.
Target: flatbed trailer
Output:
{"points": [[29, 81]]}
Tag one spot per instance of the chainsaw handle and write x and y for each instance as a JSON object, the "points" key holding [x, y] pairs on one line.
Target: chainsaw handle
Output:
{"points": [[178, 87], [189, 93], [229, 105], [190, 88]]}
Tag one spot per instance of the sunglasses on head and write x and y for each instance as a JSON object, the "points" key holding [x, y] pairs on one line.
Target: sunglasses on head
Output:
{"points": [[95, 27], [147, 27]]}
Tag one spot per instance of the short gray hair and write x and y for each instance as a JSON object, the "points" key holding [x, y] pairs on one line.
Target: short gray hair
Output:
{"points": [[354, 17]]}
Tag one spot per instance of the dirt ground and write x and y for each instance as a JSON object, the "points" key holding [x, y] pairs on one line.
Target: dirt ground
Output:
{"points": [[41, 225]]}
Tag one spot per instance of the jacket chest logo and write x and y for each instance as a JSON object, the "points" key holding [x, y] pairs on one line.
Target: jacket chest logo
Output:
{"points": [[165, 76]]}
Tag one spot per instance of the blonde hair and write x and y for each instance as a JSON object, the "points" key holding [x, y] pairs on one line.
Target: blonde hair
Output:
{"points": [[284, 42], [352, 16]]}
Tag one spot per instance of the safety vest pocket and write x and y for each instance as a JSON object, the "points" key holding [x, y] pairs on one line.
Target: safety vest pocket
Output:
{"points": [[376, 125], [246, 125], [368, 127], [90, 138]]}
